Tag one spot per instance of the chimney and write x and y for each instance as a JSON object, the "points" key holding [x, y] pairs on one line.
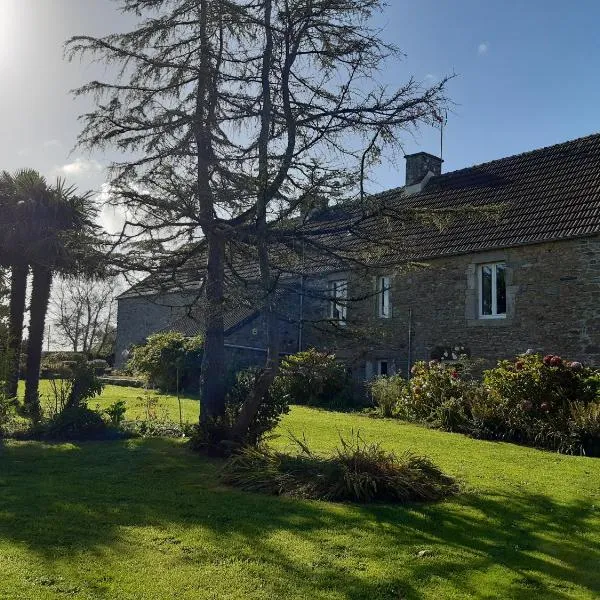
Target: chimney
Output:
{"points": [[418, 167]]}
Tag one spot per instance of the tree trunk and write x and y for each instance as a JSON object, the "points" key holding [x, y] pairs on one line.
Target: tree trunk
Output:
{"points": [[18, 292], [40, 295], [212, 380], [268, 283]]}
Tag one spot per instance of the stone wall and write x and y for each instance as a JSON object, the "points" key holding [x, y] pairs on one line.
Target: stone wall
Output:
{"points": [[553, 297], [140, 316], [553, 305]]}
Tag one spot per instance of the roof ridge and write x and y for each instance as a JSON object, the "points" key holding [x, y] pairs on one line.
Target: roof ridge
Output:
{"points": [[522, 154]]}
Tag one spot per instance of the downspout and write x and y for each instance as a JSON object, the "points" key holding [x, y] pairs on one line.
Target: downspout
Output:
{"points": [[301, 321], [409, 343]]}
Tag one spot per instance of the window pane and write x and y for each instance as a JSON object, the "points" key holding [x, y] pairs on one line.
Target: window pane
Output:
{"points": [[338, 296], [384, 297], [501, 289], [486, 290], [383, 367]]}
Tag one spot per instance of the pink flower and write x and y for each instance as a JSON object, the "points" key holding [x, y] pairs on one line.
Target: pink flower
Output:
{"points": [[556, 361], [454, 375], [576, 366], [547, 359]]}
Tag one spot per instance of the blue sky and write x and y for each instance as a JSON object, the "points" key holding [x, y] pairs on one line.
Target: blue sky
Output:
{"points": [[527, 76], [528, 72]]}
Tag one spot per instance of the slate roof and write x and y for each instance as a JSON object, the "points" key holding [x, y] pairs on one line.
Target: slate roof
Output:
{"points": [[193, 324], [548, 194]]}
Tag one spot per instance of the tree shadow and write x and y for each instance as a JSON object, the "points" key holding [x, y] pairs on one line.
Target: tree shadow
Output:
{"points": [[62, 500]]}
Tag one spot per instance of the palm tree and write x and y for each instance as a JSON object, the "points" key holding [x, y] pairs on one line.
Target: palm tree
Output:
{"points": [[17, 193], [65, 243], [47, 228]]}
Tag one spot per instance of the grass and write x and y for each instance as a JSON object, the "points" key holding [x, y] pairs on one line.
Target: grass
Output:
{"points": [[145, 519], [133, 397]]}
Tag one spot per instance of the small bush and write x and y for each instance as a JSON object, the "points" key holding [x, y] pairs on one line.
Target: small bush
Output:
{"points": [[270, 411], [440, 395], [388, 394], [163, 353], [152, 429], [584, 427], [116, 412], [75, 423], [70, 417], [313, 378], [356, 472]]}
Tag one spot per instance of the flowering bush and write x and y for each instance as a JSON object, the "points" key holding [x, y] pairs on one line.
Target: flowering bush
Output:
{"points": [[440, 394], [534, 398], [545, 401]]}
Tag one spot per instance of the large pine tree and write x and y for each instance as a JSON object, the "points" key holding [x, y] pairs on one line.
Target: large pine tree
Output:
{"points": [[232, 116]]}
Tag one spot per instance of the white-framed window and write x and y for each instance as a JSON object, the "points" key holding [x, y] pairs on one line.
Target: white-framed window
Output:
{"points": [[338, 294], [384, 307], [492, 290]]}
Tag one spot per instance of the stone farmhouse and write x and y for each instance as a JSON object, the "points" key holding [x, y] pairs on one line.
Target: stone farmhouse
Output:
{"points": [[524, 275]]}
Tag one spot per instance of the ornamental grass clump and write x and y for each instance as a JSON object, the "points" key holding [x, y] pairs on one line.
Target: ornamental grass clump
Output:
{"points": [[357, 471]]}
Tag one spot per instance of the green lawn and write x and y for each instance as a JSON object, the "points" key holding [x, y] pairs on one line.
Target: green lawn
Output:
{"points": [[147, 519], [135, 402]]}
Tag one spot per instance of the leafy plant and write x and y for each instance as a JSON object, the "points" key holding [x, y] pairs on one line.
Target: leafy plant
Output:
{"points": [[270, 411], [388, 395], [164, 355], [440, 394], [70, 417], [116, 412], [356, 472], [313, 378]]}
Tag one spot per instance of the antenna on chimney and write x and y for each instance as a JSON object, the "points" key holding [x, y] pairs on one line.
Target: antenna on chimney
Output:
{"points": [[442, 119]]}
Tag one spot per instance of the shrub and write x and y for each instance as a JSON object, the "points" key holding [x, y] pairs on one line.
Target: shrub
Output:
{"points": [[313, 378], [356, 472], [158, 359], [75, 423], [585, 428], [388, 394], [116, 412], [151, 429], [440, 395], [70, 417], [55, 364], [541, 401], [537, 398], [270, 411]]}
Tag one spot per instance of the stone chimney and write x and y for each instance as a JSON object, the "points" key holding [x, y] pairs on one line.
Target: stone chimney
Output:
{"points": [[418, 167]]}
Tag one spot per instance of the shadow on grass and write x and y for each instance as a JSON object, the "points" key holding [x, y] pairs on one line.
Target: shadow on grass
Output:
{"points": [[61, 500]]}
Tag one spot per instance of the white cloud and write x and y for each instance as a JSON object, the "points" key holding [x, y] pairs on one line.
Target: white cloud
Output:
{"points": [[111, 217], [483, 48], [430, 77], [80, 167]]}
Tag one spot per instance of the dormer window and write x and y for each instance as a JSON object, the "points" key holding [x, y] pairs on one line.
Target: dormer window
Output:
{"points": [[492, 290], [338, 293], [383, 297]]}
